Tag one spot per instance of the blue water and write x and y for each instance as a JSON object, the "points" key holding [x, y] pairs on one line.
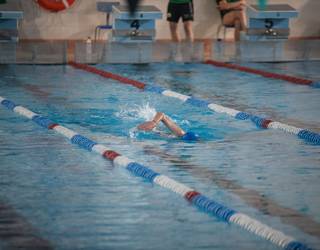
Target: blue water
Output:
{"points": [[76, 199]]}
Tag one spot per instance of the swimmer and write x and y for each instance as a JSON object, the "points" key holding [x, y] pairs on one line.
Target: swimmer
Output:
{"points": [[161, 117]]}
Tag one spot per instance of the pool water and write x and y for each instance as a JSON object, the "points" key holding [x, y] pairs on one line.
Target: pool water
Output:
{"points": [[75, 199]]}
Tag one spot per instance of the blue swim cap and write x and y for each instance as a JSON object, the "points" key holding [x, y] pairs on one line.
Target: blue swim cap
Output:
{"points": [[190, 136]]}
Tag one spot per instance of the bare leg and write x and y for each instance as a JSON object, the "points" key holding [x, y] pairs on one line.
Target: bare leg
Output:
{"points": [[243, 20], [189, 31], [237, 26], [230, 18], [238, 20], [174, 32]]}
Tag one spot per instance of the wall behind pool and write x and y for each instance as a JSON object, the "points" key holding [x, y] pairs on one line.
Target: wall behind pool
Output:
{"points": [[79, 21]]}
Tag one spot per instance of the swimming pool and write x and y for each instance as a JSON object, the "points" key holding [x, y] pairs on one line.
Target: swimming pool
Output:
{"points": [[74, 199]]}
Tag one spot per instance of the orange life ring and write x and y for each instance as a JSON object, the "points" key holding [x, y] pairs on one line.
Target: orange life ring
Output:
{"points": [[55, 5]]}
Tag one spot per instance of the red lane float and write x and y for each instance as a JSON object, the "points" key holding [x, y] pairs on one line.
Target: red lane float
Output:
{"points": [[110, 155], [109, 75], [55, 5], [266, 74], [266, 123], [52, 126], [190, 195]]}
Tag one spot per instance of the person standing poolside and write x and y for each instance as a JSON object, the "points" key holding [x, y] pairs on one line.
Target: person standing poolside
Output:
{"points": [[232, 14], [180, 9], [161, 117]]}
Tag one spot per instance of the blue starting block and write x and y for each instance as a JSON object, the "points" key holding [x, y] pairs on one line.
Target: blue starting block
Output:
{"points": [[140, 27], [272, 22], [9, 25], [132, 36]]}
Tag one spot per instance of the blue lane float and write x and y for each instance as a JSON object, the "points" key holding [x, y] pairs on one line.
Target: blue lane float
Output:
{"points": [[316, 84], [154, 89], [200, 201], [83, 142], [211, 207], [142, 171], [43, 121], [242, 116], [197, 102], [8, 104], [309, 136]]}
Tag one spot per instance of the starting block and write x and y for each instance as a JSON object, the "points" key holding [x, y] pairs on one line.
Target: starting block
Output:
{"points": [[272, 22], [132, 36], [139, 27], [9, 36], [9, 24]]}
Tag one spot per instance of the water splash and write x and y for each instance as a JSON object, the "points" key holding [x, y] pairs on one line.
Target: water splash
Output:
{"points": [[142, 112]]}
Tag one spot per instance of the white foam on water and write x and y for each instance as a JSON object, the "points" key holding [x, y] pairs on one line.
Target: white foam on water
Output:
{"points": [[142, 112]]}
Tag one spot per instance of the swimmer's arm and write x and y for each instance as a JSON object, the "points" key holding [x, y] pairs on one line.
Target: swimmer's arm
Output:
{"points": [[172, 126], [149, 125], [161, 117]]}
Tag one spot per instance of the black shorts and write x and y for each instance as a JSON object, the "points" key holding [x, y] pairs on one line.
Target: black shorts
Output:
{"points": [[177, 10]]}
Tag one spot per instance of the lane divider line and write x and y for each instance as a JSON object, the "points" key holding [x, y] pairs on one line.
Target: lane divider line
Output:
{"points": [[291, 79], [260, 122], [251, 197], [200, 201]]}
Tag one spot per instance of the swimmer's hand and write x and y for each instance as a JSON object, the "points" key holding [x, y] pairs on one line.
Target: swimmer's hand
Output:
{"points": [[147, 126]]}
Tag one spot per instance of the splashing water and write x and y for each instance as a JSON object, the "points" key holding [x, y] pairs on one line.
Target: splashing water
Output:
{"points": [[136, 112], [139, 113]]}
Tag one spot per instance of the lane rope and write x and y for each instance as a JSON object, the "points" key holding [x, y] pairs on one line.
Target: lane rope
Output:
{"points": [[197, 199], [291, 79], [260, 122]]}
